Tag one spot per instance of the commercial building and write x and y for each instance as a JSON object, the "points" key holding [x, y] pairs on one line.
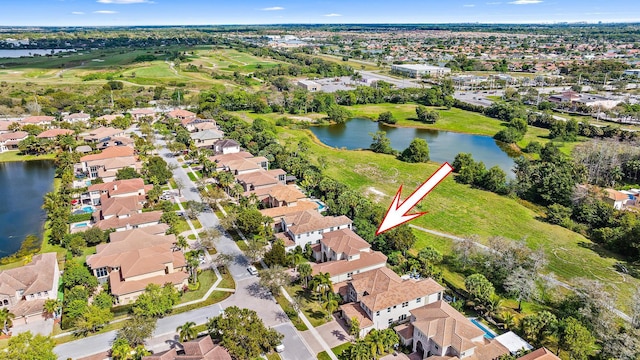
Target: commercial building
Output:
{"points": [[420, 70], [309, 85]]}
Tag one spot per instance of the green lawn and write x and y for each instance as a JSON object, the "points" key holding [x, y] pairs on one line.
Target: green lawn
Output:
{"points": [[311, 307], [227, 281], [9, 156], [336, 350], [291, 313], [214, 298], [184, 226], [462, 210], [206, 279]]}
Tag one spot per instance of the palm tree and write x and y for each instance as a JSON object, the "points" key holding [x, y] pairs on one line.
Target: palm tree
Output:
{"points": [[192, 263], [52, 307], [493, 305], [389, 339], [6, 319], [331, 305], [304, 270], [182, 243], [375, 339], [508, 319], [360, 350], [187, 331], [321, 284]]}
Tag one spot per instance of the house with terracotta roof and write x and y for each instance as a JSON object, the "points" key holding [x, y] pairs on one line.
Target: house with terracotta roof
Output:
{"points": [[226, 146], [115, 189], [204, 124], [136, 260], [438, 331], [116, 141], [109, 118], [240, 163], [101, 134], [380, 298], [106, 164], [40, 120], [307, 227], [342, 253], [258, 180], [277, 213], [24, 290], [617, 199], [77, 117], [200, 349], [123, 213], [185, 116], [139, 114], [540, 354], [10, 141], [5, 124], [52, 134]]}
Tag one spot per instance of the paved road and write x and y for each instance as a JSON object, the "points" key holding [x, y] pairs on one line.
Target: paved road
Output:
{"points": [[248, 295]]}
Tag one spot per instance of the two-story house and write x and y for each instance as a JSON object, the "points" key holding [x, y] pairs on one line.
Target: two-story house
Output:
{"points": [[307, 227], [101, 134], [439, 330], [115, 189], [137, 260], [140, 114], [199, 349], [379, 298], [106, 164], [206, 138], [342, 253], [24, 290], [52, 134], [10, 140], [123, 213], [261, 179], [185, 116], [240, 163], [226, 146], [77, 117], [40, 120]]}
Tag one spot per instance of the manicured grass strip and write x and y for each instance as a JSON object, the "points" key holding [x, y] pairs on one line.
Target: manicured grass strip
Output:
{"points": [[206, 279], [336, 350], [227, 281], [291, 313]]}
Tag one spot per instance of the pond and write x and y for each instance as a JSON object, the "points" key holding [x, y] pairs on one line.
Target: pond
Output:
{"points": [[22, 187], [443, 145], [16, 53]]}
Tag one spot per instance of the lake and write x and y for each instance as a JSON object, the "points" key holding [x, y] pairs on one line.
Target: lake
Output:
{"points": [[22, 187], [16, 53], [443, 145]]}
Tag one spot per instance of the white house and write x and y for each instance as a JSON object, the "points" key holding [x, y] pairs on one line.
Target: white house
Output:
{"points": [[307, 227]]}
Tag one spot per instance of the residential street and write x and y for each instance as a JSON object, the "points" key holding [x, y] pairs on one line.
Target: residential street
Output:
{"points": [[248, 295]]}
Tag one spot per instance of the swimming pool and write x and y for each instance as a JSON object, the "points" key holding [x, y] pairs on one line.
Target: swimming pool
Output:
{"points": [[488, 333], [321, 205], [88, 209], [81, 225]]}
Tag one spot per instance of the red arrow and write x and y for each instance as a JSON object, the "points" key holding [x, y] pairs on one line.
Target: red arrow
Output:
{"points": [[397, 213]]}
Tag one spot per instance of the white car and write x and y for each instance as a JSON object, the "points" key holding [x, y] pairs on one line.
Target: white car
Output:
{"points": [[252, 270], [279, 348]]}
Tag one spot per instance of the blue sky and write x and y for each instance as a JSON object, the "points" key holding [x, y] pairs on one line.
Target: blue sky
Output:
{"points": [[205, 12]]}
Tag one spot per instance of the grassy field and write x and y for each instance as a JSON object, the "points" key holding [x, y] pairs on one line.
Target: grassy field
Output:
{"points": [[462, 210], [356, 64], [336, 350], [206, 279]]}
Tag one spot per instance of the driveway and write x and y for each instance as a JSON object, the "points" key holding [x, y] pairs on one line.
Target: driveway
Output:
{"points": [[43, 326], [334, 333]]}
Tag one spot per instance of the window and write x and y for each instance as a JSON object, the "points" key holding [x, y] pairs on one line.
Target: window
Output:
{"points": [[390, 321], [349, 274], [405, 304], [46, 293], [402, 317], [331, 228], [308, 234], [101, 272], [419, 300], [388, 309], [395, 306], [6, 302], [39, 294], [377, 312]]}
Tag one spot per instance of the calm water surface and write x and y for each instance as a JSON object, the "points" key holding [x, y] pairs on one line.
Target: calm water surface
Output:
{"points": [[443, 145], [16, 53], [22, 187]]}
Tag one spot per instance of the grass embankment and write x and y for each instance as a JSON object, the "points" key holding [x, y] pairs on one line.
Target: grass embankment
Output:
{"points": [[14, 156], [462, 210]]}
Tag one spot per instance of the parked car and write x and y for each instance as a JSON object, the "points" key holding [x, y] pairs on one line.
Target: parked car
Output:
{"points": [[279, 348], [252, 270]]}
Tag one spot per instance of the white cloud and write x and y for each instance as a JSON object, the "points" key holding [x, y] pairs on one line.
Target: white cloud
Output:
{"points": [[124, 2], [468, 5], [273, 8], [525, 2], [332, 15], [494, 3], [77, 12], [105, 12]]}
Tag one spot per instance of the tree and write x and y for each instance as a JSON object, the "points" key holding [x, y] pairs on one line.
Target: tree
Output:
{"points": [[479, 287], [26, 346], [137, 329], [127, 173], [381, 143], [522, 284], [93, 319], [425, 115], [180, 186], [187, 331], [120, 349], [387, 117], [77, 274], [494, 180], [255, 249], [156, 170], [209, 237], [6, 319], [52, 307], [95, 236], [538, 326], [576, 339], [273, 278], [321, 284], [354, 327], [156, 301], [276, 255], [181, 242], [170, 218], [193, 208], [222, 261], [338, 113], [418, 151], [242, 333], [103, 300], [331, 305], [305, 270], [250, 221]]}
